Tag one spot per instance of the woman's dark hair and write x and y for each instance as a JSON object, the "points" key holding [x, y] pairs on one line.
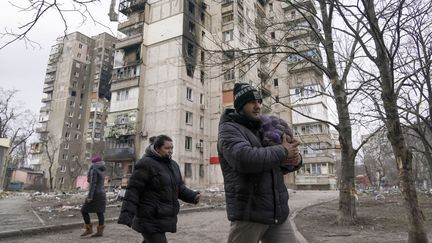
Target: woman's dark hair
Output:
{"points": [[159, 141]]}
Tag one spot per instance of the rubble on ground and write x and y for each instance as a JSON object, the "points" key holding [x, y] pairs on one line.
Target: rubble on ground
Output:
{"points": [[55, 207]]}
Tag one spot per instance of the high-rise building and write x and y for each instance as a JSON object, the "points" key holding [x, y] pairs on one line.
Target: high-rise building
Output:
{"points": [[174, 74], [77, 92], [159, 85], [307, 94]]}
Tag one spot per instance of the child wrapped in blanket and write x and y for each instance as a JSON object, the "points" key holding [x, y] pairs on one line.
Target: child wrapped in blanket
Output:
{"points": [[273, 131]]}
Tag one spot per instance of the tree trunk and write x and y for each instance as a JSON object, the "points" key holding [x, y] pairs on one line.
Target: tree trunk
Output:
{"points": [[347, 214], [403, 156], [428, 160], [347, 204]]}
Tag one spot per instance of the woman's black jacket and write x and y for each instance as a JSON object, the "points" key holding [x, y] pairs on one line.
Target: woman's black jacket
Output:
{"points": [[151, 201]]}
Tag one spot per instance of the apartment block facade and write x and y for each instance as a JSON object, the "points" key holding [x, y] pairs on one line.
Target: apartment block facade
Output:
{"points": [[307, 96], [174, 73], [72, 118]]}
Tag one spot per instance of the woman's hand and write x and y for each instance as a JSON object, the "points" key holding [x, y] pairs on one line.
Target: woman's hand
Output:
{"points": [[197, 198]]}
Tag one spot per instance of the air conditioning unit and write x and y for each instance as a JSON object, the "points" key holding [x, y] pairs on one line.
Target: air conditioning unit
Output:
{"points": [[199, 145], [203, 107]]}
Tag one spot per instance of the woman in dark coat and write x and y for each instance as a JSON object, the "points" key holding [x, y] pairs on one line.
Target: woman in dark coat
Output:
{"points": [[96, 198], [151, 204]]}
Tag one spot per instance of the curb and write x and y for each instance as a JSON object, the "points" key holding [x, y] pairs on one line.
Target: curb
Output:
{"points": [[300, 237], [50, 228]]}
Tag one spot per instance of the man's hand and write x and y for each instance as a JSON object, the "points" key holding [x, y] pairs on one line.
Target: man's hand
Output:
{"points": [[291, 146], [87, 200], [293, 161]]}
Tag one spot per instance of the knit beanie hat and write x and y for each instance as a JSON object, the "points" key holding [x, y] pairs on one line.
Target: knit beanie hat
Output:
{"points": [[243, 93], [96, 158]]}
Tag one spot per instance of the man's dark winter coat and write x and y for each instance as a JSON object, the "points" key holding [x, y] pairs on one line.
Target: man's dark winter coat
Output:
{"points": [[151, 201], [253, 175]]}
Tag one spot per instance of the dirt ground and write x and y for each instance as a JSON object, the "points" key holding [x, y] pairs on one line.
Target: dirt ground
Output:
{"points": [[60, 208], [378, 221]]}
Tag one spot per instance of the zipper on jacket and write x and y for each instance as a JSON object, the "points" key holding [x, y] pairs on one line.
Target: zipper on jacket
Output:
{"points": [[175, 189], [277, 210]]}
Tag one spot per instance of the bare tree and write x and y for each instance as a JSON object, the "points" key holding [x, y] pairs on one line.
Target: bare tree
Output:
{"points": [[415, 62], [335, 63], [51, 149], [38, 9], [15, 123], [381, 37]]}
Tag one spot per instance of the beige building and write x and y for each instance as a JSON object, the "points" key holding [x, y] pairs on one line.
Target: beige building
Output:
{"points": [[73, 114], [174, 74], [307, 96], [4, 152], [159, 85]]}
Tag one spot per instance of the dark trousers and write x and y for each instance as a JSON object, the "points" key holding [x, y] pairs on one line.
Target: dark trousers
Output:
{"points": [[86, 218], [155, 238]]}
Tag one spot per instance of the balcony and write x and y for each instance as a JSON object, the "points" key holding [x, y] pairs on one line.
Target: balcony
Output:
{"points": [[119, 154], [49, 79], [119, 149], [127, 7], [51, 68], [48, 88], [263, 72], [133, 40], [313, 180], [127, 72], [54, 57], [42, 129], [304, 4], [45, 108], [46, 99], [303, 66], [227, 6], [132, 20]]}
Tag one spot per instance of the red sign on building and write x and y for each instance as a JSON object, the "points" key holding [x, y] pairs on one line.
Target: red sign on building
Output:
{"points": [[214, 160]]}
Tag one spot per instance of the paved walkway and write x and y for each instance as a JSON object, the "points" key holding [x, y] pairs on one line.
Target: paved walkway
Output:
{"points": [[193, 227], [16, 213]]}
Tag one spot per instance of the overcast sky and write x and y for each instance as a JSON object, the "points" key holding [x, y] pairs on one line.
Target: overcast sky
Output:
{"points": [[23, 68]]}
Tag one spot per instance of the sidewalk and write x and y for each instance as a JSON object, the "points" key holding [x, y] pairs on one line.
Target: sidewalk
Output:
{"points": [[16, 211], [32, 230], [205, 224], [209, 226]]}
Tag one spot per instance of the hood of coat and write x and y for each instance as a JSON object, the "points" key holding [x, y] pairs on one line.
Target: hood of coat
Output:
{"points": [[151, 152], [230, 115], [100, 166]]}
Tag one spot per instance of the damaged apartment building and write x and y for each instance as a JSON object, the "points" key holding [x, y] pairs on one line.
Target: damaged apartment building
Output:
{"points": [[174, 72], [75, 103]]}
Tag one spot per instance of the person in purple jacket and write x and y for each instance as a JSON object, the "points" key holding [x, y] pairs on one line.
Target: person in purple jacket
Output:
{"points": [[256, 196]]}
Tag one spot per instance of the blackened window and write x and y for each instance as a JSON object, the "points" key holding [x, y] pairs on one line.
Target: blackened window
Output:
{"points": [[190, 49], [191, 8]]}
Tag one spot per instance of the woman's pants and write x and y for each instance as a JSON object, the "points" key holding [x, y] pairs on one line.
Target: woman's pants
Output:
{"points": [[86, 218]]}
